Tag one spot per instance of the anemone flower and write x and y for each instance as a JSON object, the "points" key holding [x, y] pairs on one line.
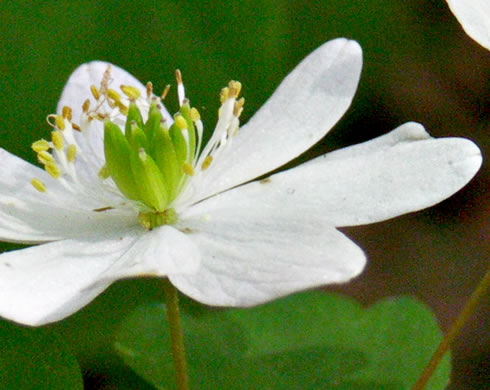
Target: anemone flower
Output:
{"points": [[127, 190]]}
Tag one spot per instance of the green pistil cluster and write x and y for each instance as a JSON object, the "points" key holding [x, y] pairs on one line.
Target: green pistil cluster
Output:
{"points": [[149, 162]]}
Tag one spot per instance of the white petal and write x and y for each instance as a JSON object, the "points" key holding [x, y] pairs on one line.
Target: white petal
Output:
{"points": [[29, 216], [307, 104], [474, 16], [250, 256], [49, 282], [398, 173]]}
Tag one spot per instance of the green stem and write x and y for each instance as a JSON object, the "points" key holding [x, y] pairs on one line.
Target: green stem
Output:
{"points": [[176, 335], [453, 331]]}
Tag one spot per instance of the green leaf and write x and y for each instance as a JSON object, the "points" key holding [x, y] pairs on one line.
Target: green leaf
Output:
{"points": [[34, 358], [311, 341], [144, 344]]}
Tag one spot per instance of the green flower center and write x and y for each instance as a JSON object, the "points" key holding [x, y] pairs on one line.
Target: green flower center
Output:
{"points": [[149, 161]]}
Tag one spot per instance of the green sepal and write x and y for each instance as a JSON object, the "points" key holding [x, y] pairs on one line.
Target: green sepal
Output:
{"points": [[185, 111], [150, 182], [166, 160], [134, 114], [117, 153], [153, 122]]}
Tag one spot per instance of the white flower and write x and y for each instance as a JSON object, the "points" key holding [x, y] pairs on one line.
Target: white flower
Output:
{"points": [[474, 16], [219, 240]]}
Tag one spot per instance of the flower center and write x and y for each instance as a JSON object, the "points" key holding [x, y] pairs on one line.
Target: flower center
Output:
{"points": [[148, 160]]}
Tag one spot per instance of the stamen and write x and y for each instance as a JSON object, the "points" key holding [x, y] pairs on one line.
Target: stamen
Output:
{"points": [[238, 107], [71, 153], [45, 157], [223, 95], [53, 170], [76, 127], [86, 106], [165, 92], [149, 89], [234, 88], [60, 122], [207, 162], [66, 112], [178, 76], [106, 77], [101, 117], [180, 87], [38, 185], [41, 145], [131, 92], [122, 108], [57, 139], [188, 170], [114, 95], [95, 92]]}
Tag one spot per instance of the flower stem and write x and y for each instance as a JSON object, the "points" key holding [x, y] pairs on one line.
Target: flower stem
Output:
{"points": [[453, 331], [176, 335]]}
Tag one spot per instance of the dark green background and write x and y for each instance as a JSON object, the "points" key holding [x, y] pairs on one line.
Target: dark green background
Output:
{"points": [[419, 65]]}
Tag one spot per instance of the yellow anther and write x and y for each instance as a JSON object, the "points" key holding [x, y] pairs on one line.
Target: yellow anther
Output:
{"points": [[104, 172], [95, 92], [100, 117], [238, 107], [57, 139], [131, 92], [66, 112], [53, 170], [45, 157], [38, 185], [60, 122], [188, 170], [180, 122], [41, 145], [195, 116], [122, 108], [149, 89], [178, 76], [223, 95], [114, 95], [207, 162], [86, 105], [165, 92], [76, 127], [111, 103], [235, 88], [71, 153]]}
